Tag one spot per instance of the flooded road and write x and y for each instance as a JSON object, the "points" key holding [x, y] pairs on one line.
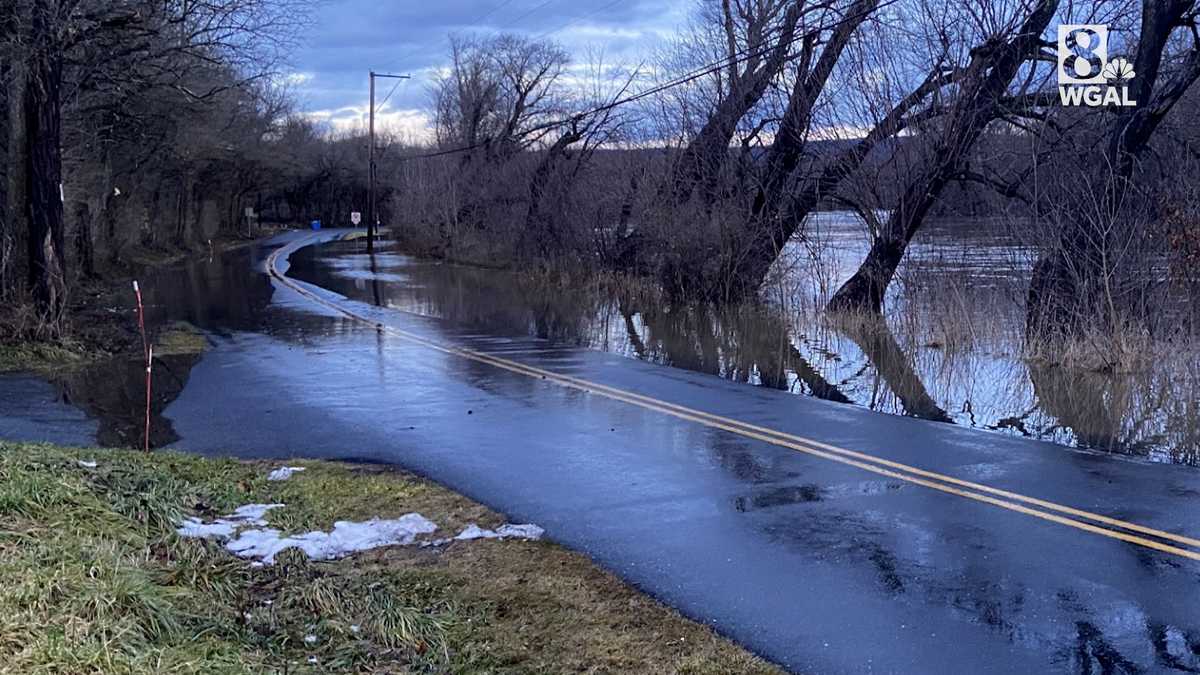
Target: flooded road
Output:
{"points": [[736, 504], [950, 351]]}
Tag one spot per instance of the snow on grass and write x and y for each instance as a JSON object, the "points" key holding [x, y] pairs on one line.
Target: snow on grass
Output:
{"points": [[346, 537], [505, 531], [247, 536], [250, 515], [283, 472]]}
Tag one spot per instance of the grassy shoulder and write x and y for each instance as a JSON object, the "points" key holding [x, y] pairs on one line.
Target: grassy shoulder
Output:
{"points": [[96, 580]]}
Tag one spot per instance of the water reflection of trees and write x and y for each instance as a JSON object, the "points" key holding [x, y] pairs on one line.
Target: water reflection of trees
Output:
{"points": [[746, 344], [895, 367], [1152, 413], [218, 294], [868, 363]]}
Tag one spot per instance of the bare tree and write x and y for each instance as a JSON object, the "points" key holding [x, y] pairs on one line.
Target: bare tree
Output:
{"points": [[89, 69], [1073, 280], [499, 94], [978, 101]]}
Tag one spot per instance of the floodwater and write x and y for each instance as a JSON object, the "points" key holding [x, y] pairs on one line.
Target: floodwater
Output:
{"points": [[950, 349]]}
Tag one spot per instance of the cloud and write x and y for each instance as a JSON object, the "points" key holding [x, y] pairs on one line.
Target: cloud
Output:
{"points": [[411, 125], [351, 37]]}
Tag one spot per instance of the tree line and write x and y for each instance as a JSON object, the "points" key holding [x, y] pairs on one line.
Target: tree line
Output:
{"points": [[764, 111], [143, 123], [148, 125]]}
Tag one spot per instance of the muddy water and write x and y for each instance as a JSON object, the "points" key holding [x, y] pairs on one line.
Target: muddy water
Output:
{"points": [[949, 351]]}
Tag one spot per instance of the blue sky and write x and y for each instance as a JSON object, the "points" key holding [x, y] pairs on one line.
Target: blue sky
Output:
{"points": [[351, 37]]}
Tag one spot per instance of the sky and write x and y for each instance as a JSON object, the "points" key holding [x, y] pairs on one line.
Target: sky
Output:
{"points": [[351, 37]]}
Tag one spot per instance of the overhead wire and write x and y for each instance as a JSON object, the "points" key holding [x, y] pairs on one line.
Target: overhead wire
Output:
{"points": [[389, 94], [739, 56]]}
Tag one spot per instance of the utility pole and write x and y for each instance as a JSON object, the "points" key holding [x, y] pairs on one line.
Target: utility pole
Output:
{"points": [[372, 213]]}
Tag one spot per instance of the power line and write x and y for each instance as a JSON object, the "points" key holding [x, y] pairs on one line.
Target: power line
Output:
{"points": [[389, 94], [708, 69], [546, 3]]}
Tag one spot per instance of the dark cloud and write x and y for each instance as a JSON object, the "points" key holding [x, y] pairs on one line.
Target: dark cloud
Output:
{"points": [[351, 37]]}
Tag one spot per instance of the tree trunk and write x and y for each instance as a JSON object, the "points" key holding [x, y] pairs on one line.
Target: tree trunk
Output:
{"points": [[5, 136], [787, 150], [539, 231], [700, 164], [864, 291], [978, 102], [780, 214], [85, 245], [43, 120]]}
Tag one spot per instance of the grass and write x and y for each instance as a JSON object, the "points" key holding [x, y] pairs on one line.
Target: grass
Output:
{"points": [[179, 338], [39, 355], [96, 581], [175, 339]]}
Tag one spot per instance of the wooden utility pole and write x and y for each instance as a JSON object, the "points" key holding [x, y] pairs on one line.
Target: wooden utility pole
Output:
{"points": [[372, 213]]}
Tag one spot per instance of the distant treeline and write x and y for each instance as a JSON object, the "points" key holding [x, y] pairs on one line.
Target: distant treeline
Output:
{"points": [[760, 113], [143, 123]]}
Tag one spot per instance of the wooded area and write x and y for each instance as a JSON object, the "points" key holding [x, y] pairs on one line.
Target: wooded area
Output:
{"points": [[144, 123], [768, 110]]}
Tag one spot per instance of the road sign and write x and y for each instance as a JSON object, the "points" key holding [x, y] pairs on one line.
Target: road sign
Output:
{"points": [[355, 217]]}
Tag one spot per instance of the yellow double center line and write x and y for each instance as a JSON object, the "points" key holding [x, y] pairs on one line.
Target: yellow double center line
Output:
{"points": [[1159, 540]]}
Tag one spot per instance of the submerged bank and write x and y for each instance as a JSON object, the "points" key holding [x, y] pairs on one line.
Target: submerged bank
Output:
{"points": [[99, 581], [102, 322]]}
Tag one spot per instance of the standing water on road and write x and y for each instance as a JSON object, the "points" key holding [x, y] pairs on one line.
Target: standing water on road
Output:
{"points": [[955, 357], [951, 350]]}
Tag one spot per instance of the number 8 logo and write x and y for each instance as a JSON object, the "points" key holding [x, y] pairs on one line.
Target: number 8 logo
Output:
{"points": [[1082, 53]]}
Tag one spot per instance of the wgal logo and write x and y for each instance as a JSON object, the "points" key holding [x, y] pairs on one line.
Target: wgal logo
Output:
{"points": [[1085, 75]]}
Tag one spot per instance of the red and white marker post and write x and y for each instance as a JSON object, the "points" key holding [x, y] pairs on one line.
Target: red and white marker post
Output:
{"points": [[148, 353]]}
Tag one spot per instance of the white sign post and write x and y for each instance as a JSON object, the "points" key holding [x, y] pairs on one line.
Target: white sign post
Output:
{"points": [[355, 217]]}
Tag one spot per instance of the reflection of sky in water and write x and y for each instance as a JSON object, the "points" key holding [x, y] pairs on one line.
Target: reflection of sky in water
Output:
{"points": [[955, 315]]}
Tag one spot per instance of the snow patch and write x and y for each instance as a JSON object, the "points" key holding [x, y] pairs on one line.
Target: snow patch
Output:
{"points": [[195, 528], [345, 538], [284, 472], [505, 531], [225, 527], [252, 514]]}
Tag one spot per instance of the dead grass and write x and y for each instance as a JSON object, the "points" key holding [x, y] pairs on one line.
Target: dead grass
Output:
{"points": [[97, 582], [179, 338], [39, 356]]}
